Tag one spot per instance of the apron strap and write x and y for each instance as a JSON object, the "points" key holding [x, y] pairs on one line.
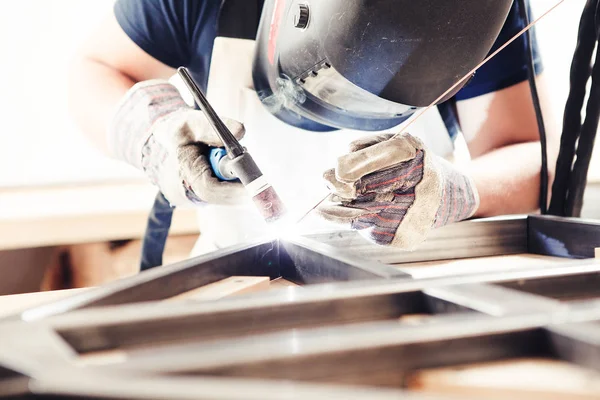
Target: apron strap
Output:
{"points": [[449, 115], [157, 231]]}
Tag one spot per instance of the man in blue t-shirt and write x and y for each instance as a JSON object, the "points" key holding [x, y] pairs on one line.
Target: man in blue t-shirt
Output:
{"points": [[122, 99]]}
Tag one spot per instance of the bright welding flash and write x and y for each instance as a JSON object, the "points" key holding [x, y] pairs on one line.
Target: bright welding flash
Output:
{"points": [[290, 224], [283, 227]]}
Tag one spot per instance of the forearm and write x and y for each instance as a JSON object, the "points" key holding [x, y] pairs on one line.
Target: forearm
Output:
{"points": [[109, 63], [95, 90], [508, 179]]}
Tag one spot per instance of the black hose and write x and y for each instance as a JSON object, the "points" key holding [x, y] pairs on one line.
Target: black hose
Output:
{"points": [[580, 74], [598, 17], [585, 146], [531, 74]]}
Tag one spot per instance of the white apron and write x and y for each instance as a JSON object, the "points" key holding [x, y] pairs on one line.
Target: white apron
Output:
{"points": [[292, 159]]}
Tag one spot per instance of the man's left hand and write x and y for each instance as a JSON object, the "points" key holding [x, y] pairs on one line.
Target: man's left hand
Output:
{"points": [[393, 191]]}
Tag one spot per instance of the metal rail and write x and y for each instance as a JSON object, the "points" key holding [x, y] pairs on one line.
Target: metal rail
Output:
{"points": [[356, 321]]}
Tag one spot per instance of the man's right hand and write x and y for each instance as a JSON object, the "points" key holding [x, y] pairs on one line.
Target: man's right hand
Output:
{"points": [[155, 131]]}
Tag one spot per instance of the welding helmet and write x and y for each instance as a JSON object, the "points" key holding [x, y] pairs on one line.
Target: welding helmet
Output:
{"points": [[368, 64]]}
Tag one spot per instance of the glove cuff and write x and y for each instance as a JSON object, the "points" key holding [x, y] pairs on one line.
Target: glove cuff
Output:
{"points": [[459, 196], [443, 196], [131, 125]]}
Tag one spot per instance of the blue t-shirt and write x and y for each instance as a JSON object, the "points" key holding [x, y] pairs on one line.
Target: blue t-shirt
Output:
{"points": [[182, 32]]}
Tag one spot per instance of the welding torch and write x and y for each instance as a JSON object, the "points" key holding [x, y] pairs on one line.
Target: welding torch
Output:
{"points": [[233, 162]]}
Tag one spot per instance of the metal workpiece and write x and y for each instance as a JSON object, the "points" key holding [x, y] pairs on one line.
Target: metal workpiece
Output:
{"points": [[378, 353], [577, 343], [487, 299], [30, 349], [296, 259], [309, 262], [154, 324], [563, 237], [467, 239], [340, 294], [333, 353], [563, 288], [308, 307], [258, 259], [355, 322]]}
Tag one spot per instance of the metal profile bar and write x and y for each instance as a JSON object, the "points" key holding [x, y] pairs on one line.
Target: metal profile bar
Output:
{"points": [[379, 353], [126, 326], [305, 261], [375, 353], [370, 354], [345, 333], [468, 239], [161, 283], [488, 299], [309, 262], [298, 260], [28, 349], [563, 237], [563, 288], [578, 343], [134, 326]]}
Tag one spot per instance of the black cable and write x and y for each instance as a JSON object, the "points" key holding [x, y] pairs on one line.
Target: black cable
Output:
{"points": [[531, 74], [579, 76], [585, 145], [598, 17]]}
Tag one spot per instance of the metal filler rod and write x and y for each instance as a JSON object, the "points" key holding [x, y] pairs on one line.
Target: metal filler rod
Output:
{"points": [[239, 162]]}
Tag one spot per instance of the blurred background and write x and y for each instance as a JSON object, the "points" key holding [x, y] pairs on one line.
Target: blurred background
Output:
{"points": [[57, 191]]}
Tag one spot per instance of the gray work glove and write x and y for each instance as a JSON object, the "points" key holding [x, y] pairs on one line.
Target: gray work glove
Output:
{"points": [[393, 191], [155, 131]]}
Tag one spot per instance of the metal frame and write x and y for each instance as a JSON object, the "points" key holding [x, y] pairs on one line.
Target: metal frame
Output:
{"points": [[340, 256], [342, 327]]}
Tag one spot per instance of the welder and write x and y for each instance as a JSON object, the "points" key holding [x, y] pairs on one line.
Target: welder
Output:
{"points": [[305, 122]]}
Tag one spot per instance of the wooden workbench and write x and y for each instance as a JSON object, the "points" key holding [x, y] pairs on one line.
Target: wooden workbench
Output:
{"points": [[65, 215]]}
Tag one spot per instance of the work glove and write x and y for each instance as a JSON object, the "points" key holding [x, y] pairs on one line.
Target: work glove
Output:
{"points": [[155, 131], [394, 191]]}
